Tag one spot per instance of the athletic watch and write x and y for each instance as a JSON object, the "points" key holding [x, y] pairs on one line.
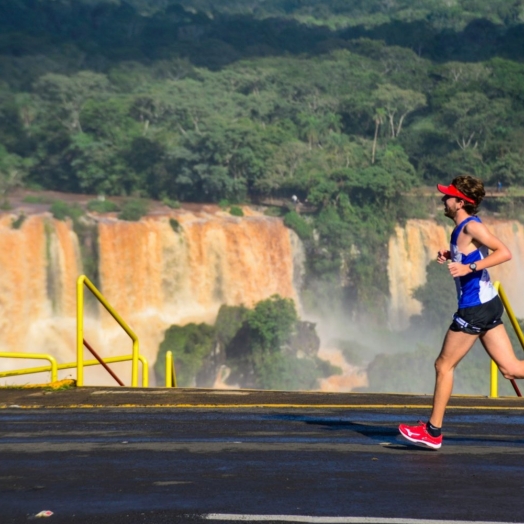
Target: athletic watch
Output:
{"points": [[473, 266]]}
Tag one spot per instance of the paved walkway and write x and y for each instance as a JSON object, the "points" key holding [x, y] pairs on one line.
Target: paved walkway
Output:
{"points": [[108, 455]]}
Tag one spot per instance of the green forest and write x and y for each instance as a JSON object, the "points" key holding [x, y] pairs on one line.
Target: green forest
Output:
{"points": [[348, 104], [266, 347]]}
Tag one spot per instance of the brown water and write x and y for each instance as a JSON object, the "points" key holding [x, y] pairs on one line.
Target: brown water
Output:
{"points": [[155, 276], [151, 274]]}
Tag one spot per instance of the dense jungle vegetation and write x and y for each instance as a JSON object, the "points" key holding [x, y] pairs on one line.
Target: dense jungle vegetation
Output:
{"points": [[348, 104], [266, 347]]}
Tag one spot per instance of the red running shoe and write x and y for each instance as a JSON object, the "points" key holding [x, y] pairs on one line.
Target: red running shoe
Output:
{"points": [[419, 435]]}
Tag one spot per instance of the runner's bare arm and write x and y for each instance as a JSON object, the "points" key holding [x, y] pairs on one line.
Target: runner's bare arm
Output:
{"points": [[499, 252]]}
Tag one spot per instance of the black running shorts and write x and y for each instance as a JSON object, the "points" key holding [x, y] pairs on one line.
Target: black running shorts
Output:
{"points": [[477, 320]]}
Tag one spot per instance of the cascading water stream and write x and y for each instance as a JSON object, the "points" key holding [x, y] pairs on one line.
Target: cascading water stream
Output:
{"points": [[179, 268]]}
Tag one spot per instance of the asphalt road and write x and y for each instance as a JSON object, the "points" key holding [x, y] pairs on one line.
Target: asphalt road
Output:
{"points": [[173, 465]]}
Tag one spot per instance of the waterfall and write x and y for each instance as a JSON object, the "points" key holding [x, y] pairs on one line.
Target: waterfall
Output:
{"points": [[163, 270], [179, 267]]}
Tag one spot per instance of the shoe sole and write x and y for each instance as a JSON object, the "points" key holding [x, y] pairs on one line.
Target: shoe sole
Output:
{"points": [[420, 442]]}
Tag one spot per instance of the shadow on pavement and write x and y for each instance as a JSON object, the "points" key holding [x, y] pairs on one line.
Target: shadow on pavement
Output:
{"points": [[391, 435], [374, 432]]}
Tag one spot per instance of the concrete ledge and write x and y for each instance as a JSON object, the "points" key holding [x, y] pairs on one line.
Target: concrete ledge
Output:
{"points": [[123, 397]]}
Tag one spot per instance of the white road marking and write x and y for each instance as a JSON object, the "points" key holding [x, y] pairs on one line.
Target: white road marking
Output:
{"points": [[338, 520]]}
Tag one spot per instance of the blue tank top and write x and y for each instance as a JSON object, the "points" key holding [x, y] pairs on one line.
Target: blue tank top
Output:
{"points": [[475, 288]]}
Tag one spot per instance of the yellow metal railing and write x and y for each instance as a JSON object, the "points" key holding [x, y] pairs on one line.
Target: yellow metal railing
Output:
{"points": [[494, 390], [53, 366], [80, 363], [170, 371], [135, 356]]}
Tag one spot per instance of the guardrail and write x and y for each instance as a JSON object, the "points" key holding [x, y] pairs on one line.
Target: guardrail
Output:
{"points": [[69, 365], [53, 367], [494, 390], [80, 363], [135, 356]]}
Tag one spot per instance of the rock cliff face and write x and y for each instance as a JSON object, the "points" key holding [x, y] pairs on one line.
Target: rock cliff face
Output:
{"points": [[413, 246]]}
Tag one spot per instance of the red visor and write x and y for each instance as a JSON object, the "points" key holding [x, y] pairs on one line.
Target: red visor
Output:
{"points": [[454, 192]]}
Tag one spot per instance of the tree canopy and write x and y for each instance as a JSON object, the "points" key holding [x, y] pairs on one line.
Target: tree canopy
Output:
{"points": [[348, 105]]}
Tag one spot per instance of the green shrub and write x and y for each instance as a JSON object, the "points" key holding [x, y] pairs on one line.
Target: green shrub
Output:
{"points": [[5, 205], [236, 211], [273, 212], [17, 223], [175, 225], [224, 204], [272, 323], [295, 222], [133, 210], [229, 321], [173, 204], [38, 199], [34, 199], [62, 210], [190, 344], [102, 206]]}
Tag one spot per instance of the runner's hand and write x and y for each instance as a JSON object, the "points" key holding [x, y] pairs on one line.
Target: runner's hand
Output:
{"points": [[442, 256], [457, 269]]}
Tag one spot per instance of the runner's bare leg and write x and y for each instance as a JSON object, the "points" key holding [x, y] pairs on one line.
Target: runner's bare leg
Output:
{"points": [[454, 348], [498, 346]]}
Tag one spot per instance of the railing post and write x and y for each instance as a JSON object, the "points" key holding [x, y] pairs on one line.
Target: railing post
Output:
{"points": [[510, 313], [134, 365], [145, 371], [54, 369], [494, 382], [515, 323], [169, 369], [80, 330]]}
